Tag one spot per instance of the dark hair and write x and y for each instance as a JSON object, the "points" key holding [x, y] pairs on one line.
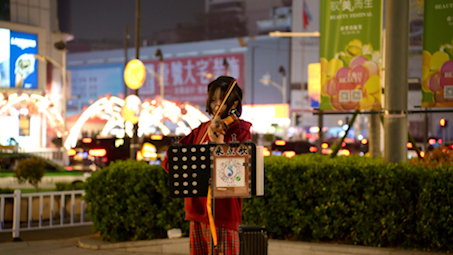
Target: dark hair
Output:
{"points": [[223, 82]]}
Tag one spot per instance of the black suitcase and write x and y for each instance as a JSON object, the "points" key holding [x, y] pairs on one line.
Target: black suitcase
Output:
{"points": [[253, 240]]}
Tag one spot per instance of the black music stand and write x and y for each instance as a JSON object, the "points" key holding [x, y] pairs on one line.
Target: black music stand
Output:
{"points": [[189, 170], [233, 166]]}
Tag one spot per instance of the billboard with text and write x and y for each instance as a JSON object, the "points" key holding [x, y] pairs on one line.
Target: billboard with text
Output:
{"points": [[186, 79]]}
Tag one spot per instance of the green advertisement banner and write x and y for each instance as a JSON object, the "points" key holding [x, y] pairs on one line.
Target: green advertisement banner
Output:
{"points": [[437, 70], [350, 54]]}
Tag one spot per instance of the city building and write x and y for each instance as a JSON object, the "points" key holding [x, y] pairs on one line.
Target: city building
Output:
{"points": [[32, 66]]}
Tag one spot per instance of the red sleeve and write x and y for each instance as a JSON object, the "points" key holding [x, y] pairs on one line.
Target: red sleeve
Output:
{"points": [[246, 135]]}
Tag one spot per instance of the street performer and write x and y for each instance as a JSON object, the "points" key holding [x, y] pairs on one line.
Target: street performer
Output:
{"points": [[228, 211]]}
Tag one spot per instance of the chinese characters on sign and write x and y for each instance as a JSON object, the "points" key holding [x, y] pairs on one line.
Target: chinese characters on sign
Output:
{"points": [[350, 54], [186, 79]]}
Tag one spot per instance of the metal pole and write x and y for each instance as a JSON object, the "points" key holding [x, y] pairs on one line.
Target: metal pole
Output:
{"points": [[253, 76], [126, 46], [321, 134], [137, 29], [134, 144], [396, 86], [16, 215], [161, 79], [64, 83], [425, 131], [375, 136], [284, 89]]}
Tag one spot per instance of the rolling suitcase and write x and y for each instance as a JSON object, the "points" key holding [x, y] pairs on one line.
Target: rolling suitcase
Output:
{"points": [[253, 240]]}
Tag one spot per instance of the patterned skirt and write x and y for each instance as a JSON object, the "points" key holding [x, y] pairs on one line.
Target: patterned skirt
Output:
{"points": [[200, 240]]}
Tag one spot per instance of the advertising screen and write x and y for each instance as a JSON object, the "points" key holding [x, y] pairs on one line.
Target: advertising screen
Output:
{"points": [[18, 67]]}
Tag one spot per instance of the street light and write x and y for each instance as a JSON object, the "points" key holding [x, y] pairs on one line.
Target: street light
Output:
{"points": [[160, 77], [266, 80]]}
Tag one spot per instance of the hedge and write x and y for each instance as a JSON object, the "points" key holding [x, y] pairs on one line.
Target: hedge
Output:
{"points": [[128, 200], [310, 197]]}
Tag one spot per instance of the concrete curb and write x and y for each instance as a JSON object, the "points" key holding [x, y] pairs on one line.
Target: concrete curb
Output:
{"points": [[164, 246], [180, 246]]}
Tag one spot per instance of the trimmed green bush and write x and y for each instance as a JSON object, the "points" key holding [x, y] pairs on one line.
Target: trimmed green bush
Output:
{"points": [[355, 200], [310, 197], [129, 200], [64, 186], [6, 191]]}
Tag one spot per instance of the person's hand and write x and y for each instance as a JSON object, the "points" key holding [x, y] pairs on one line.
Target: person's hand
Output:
{"points": [[215, 132]]}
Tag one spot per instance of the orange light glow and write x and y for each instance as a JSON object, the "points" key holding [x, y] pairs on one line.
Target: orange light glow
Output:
{"points": [[325, 151], [157, 137], [324, 145], [139, 156], [344, 152], [422, 154], [289, 154], [349, 140], [266, 152], [134, 74], [68, 168], [364, 141], [442, 122], [313, 149], [432, 141], [280, 143], [269, 110], [97, 152], [72, 152], [409, 145], [87, 140]]}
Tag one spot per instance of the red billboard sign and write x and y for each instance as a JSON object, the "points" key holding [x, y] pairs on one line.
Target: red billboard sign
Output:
{"points": [[186, 78]]}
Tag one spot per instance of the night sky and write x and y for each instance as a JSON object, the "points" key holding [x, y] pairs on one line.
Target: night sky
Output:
{"points": [[106, 19]]}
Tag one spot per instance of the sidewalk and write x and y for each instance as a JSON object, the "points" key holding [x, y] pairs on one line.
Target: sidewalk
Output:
{"points": [[80, 240], [180, 246]]}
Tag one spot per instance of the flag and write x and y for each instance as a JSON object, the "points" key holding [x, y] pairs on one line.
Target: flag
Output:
{"points": [[306, 15]]}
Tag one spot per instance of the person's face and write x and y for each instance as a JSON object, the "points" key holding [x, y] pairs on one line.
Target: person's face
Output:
{"points": [[216, 100]]}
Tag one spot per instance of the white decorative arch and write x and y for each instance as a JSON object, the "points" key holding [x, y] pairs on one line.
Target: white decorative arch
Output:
{"points": [[152, 114], [43, 104]]}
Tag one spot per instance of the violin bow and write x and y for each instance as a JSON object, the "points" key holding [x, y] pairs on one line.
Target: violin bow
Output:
{"points": [[225, 98]]}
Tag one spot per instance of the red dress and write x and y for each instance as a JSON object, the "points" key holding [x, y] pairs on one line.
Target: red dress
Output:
{"points": [[228, 211]]}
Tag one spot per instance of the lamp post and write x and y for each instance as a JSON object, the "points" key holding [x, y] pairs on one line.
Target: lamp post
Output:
{"points": [[158, 54], [160, 77], [126, 59], [266, 80]]}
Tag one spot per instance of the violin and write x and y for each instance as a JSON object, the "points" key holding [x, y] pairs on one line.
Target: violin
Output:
{"points": [[228, 121]]}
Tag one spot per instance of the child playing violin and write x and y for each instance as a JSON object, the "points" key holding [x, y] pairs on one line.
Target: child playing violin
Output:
{"points": [[228, 211]]}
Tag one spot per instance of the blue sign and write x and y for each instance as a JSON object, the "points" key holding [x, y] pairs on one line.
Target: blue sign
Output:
{"points": [[91, 82], [18, 66]]}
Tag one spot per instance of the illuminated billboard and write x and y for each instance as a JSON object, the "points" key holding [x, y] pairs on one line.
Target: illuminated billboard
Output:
{"points": [[19, 69]]}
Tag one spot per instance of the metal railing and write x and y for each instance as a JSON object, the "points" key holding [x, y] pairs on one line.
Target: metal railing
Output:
{"points": [[39, 210]]}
